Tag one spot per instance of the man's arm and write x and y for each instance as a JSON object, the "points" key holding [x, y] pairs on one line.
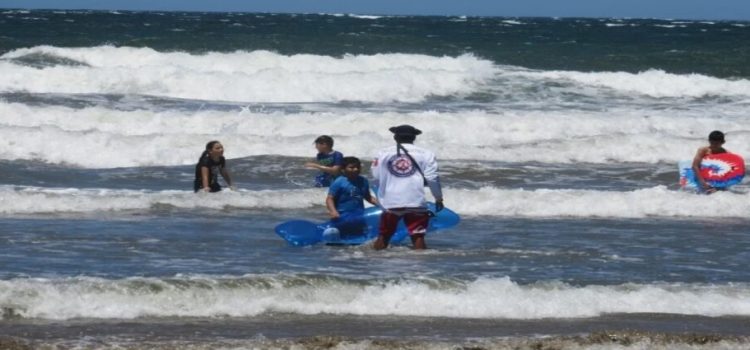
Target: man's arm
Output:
{"points": [[433, 180], [697, 166], [368, 195], [204, 179], [227, 177], [331, 205], [375, 169], [333, 170]]}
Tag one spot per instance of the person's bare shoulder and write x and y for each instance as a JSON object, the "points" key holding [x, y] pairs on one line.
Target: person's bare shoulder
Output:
{"points": [[702, 151]]}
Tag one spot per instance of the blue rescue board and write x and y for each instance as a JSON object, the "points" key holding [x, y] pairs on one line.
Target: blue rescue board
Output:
{"points": [[355, 229]]}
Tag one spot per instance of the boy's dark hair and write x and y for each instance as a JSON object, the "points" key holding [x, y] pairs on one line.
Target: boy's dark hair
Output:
{"points": [[325, 139], [351, 160], [716, 135]]}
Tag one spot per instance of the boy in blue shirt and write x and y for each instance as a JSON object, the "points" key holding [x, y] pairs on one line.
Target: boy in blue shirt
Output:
{"points": [[327, 161], [346, 196]]}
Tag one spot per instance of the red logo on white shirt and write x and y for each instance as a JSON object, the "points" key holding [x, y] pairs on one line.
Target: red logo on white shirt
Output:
{"points": [[401, 166]]}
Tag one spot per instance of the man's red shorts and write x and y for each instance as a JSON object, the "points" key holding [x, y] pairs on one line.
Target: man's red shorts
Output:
{"points": [[415, 219]]}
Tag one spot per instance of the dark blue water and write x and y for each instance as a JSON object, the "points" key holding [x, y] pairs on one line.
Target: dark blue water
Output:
{"points": [[716, 48]]}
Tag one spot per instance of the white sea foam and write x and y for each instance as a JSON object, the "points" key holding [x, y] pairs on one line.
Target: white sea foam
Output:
{"points": [[364, 16], [649, 202], [98, 137], [490, 298], [258, 76], [530, 129], [262, 76], [653, 82], [17, 200]]}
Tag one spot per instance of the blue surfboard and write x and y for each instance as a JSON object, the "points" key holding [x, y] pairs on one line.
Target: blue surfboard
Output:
{"points": [[356, 229]]}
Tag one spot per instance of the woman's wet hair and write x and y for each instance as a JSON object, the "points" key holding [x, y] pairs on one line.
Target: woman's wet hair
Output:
{"points": [[210, 145]]}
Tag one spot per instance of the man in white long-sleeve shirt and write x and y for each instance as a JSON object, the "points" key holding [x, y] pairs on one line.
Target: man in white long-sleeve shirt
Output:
{"points": [[401, 172]]}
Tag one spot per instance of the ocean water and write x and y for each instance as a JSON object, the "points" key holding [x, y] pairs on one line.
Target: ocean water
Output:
{"points": [[557, 139]]}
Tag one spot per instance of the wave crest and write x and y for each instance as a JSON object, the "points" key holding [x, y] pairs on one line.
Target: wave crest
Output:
{"points": [[490, 201], [257, 76], [489, 298]]}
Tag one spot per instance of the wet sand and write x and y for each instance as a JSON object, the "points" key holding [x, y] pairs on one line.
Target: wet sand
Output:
{"points": [[331, 331]]}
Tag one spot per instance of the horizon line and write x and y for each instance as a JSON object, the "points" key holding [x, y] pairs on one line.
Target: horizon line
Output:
{"points": [[364, 14]]}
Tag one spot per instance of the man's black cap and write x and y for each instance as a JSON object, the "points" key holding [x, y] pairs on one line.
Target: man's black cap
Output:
{"points": [[405, 130]]}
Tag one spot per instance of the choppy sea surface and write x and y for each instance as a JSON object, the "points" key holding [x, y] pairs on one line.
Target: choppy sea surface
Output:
{"points": [[557, 139]]}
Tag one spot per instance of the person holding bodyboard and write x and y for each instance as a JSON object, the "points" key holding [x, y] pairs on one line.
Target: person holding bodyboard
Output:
{"points": [[345, 201], [401, 173], [713, 167]]}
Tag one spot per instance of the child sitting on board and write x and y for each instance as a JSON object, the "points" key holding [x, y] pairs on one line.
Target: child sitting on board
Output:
{"points": [[346, 196], [327, 161], [715, 143]]}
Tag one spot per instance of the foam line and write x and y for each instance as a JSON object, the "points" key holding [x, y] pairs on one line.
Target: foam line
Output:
{"points": [[490, 298], [648, 202]]}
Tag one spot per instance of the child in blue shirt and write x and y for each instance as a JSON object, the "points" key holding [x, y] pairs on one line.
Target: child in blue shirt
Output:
{"points": [[346, 196], [328, 161]]}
